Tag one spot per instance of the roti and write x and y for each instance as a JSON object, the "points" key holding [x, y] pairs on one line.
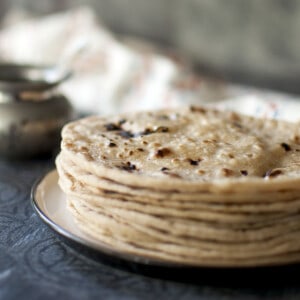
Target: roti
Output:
{"points": [[199, 149], [195, 186]]}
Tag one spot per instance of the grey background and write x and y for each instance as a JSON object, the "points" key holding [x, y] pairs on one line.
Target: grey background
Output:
{"points": [[255, 42]]}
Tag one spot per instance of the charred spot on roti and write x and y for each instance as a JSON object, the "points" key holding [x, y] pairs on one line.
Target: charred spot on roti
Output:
{"points": [[273, 173], [194, 162], [112, 127], [128, 166], [162, 152], [163, 169], [286, 146]]}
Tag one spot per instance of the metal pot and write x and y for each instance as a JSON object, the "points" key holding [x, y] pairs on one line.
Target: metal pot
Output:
{"points": [[32, 112]]}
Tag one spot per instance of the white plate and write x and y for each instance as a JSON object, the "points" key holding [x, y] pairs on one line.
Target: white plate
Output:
{"points": [[50, 203]]}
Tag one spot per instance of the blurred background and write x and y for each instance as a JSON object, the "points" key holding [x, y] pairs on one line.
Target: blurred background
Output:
{"points": [[253, 42]]}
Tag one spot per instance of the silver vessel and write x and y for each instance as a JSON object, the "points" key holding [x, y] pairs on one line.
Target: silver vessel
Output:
{"points": [[32, 112]]}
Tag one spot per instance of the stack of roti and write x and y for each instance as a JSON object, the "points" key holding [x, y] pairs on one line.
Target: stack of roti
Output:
{"points": [[195, 186]]}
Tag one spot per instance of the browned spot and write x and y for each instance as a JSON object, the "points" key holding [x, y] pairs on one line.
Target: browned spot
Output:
{"points": [[146, 131], [162, 129], [140, 149], [160, 153], [209, 141], [227, 172], [297, 139], [130, 152], [144, 143], [197, 109], [174, 175], [201, 172], [69, 144], [88, 156], [156, 144], [234, 116], [230, 155], [112, 144]]}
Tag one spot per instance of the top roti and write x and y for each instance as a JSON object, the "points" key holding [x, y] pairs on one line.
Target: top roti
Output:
{"points": [[194, 149]]}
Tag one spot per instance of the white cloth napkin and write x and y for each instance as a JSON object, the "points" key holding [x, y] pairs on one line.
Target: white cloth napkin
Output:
{"points": [[112, 76]]}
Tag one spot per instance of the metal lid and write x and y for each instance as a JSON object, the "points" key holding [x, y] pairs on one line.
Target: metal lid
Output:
{"points": [[17, 78]]}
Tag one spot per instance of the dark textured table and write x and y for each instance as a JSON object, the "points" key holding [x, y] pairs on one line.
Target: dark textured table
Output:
{"points": [[36, 264]]}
